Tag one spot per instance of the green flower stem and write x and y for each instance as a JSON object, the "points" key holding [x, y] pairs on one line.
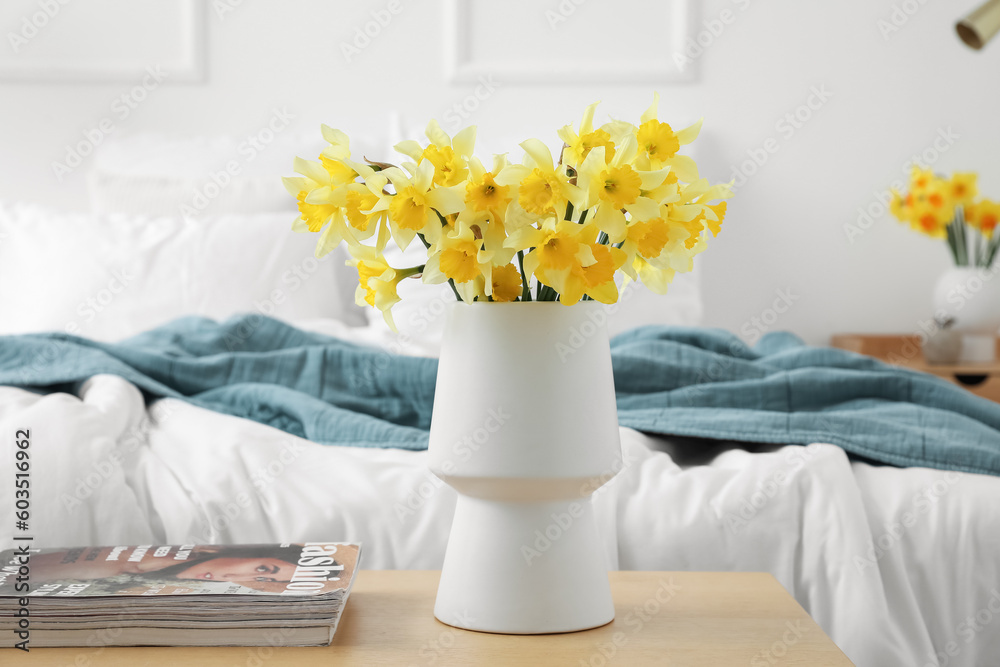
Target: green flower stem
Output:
{"points": [[546, 293], [991, 250], [526, 291], [569, 210], [963, 249], [952, 243]]}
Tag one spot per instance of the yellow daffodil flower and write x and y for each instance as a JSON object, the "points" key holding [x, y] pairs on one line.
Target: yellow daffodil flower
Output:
{"points": [[616, 188], [920, 179], [662, 241], [417, 203], [597, 279], [984, 215], [354, 219], [483, 193], [621, 197], [659, 144], [963, 188], [457, 256], [449, 155], [655, 278], [557, 248], [377, 281], [927, 219], [543, 188], [312, 217], [578, 146], [335, 156], [505, 283]]}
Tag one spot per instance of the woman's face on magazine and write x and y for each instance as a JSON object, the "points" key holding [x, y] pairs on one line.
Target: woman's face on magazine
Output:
{"points": [[240, 570]]}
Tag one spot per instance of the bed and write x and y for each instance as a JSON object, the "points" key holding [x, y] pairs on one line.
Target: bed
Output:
{"points": [[900, 566]]}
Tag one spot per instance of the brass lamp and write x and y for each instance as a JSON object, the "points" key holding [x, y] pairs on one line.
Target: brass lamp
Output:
{"points": [[981, 25]]}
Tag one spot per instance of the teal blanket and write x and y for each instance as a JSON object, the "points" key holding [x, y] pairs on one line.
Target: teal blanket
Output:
{"points": [[673, 381]]}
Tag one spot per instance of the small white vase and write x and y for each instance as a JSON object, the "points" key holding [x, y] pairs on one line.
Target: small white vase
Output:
{"points": [[971, 296], [525, 429]]}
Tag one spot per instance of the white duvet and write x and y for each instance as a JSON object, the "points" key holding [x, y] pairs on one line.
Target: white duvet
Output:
{"points": [[897, 566]]}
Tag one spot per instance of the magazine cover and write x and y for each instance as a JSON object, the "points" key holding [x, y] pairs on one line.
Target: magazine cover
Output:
{"points": [[308, 569]]}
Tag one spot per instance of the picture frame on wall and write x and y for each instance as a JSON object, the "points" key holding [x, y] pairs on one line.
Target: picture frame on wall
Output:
{"points": [[65, 42]]}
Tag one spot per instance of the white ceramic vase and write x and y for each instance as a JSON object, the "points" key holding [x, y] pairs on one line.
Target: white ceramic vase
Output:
{"points": [[971, 296], [525, 429]]}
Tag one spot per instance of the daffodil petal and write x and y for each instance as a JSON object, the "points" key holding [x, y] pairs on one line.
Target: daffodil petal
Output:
{"points": [[336, 138], [314, 170], [322, 195], [611, 221], [643, 208], [689, 133], [685, 168], [511, 174], [653, 179], [447, 200], [294, 184], [465, 141], [539, 152], [587, 122], [650, 113], [410, 149], [437, 136], [331, 237], [605, 292]]}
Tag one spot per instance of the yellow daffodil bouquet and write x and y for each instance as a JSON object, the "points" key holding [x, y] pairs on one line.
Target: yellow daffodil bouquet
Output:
{"points": [[948, 208], [619, 197]]}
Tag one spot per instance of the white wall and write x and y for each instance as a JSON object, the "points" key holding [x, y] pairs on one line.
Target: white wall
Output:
{"points": [[890, 96]]}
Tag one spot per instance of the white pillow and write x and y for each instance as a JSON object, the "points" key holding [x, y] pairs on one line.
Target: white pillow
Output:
{"points": [[112, 276]]}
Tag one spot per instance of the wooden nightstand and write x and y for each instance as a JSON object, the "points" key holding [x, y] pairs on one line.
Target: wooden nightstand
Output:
{"points": [[981, 379], [692, 618]]}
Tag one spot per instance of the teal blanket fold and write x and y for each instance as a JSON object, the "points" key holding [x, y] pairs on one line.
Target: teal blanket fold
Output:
{"points": [[672, 381]]}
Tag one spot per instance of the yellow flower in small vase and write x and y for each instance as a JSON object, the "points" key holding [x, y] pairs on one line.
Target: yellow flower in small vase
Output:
{"points": [[486, 210], [617, 189], [620, 197], [984, 215], [543, 189], [929, 219], [658, 240], [557, 248], [597, 279], [456, 256], [417, 204], [920, 179], [315, 177], [659, 144], [579, 145], [505, 283], [962, 188], [483, 193], [450, 156], [377, 281]]}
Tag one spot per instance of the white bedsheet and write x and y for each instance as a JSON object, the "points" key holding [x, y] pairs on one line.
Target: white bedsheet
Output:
{"points": [[107, 471]]}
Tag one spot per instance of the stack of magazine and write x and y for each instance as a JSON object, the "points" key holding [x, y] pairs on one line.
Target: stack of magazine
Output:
{"points": [[187, 595]]}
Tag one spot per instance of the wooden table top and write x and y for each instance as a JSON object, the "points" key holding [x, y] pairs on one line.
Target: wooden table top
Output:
{"points": [[682, 618]]}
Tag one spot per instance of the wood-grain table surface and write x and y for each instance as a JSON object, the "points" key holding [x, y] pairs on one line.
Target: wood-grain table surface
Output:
{"points": [[662, 618]]}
